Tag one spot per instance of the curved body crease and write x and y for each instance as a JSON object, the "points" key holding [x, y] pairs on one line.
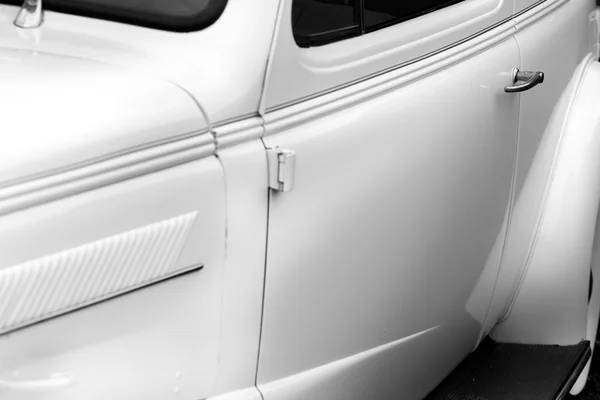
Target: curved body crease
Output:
{"points": [[549, 248]]}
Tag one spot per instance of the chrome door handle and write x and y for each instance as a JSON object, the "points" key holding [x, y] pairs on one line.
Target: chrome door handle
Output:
{"points": [[524, 80]]}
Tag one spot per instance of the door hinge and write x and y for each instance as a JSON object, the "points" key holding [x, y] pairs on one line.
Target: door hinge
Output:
{"points": [[282, 169]]}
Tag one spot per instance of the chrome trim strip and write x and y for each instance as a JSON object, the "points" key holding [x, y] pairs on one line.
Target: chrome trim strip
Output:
{"points": [[30, 15]]}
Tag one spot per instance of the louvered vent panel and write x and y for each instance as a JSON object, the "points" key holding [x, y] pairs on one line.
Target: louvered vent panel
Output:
{"points": [[59, 283]]}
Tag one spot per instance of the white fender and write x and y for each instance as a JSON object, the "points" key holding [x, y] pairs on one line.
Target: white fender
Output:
{"points": [[551, 234]]}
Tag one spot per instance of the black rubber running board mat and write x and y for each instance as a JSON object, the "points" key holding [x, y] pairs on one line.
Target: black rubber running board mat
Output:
{"points": [[510, 371]]}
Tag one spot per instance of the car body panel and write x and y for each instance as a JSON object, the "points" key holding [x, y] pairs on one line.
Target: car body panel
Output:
{"points": [[520, 5], [54, 123], [562, 24], [85, 198], [164, 336], [296, 74], [391, 370], [550, 306], [206, 63], [364, 241]]}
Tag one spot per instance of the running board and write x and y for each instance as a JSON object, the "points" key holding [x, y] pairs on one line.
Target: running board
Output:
{"points": [[510, 371]]}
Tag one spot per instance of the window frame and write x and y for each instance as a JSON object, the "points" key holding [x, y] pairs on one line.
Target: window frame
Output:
{"points": [[335, 35], [399, 20], [324, 38], [297, 75]]}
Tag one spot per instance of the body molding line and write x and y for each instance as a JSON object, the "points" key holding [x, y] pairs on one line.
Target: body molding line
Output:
{"points": [[295, 113], [76, 179]]}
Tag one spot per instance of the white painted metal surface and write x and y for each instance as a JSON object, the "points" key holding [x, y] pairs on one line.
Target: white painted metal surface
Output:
{"points": [[562, 193], [247, 196], [561, 24], [350, 264], [209, 64], [115, 147], [296, 73], [381, 263], [352, 377], [565, 24], [65, 112], [149, 342]]}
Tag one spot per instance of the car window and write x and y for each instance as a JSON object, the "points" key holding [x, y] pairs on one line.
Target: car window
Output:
{"points": [[318, 22], [172, 15], [382, 13]]}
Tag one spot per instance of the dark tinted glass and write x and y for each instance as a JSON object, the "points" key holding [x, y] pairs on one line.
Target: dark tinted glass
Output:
{"points": [[317, 22], [174, 15], [382, 13]]}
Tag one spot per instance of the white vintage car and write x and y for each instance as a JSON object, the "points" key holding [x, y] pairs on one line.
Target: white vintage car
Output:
{"points": [[298, 199]]}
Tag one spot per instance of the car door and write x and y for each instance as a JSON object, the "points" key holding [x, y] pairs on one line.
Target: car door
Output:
{"points": [[383, 257], [112, 234]]}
